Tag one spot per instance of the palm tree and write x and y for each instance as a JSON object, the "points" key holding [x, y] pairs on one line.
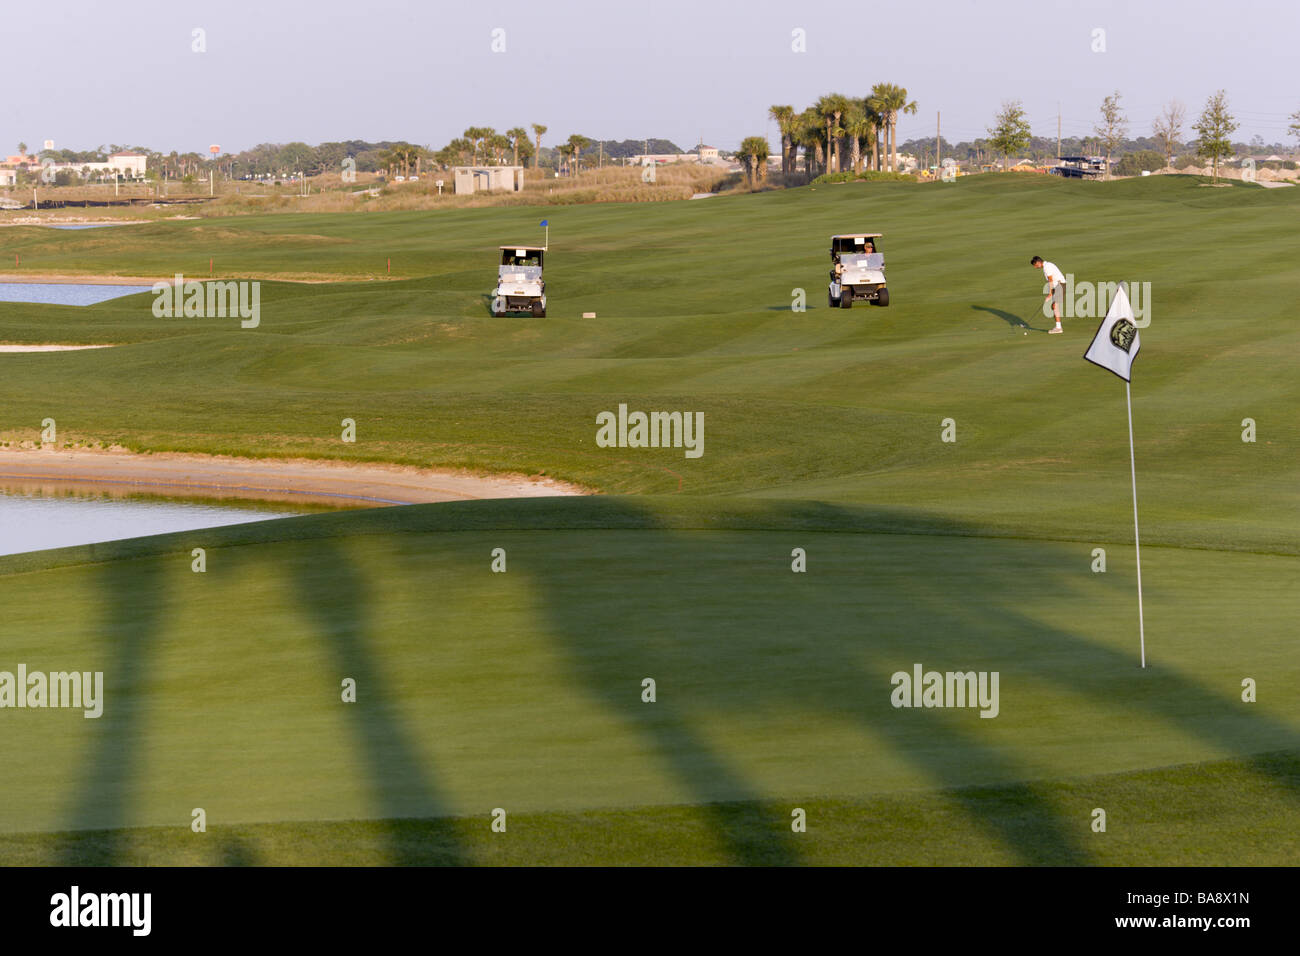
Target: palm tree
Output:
{"points": [[476, 135], [892, 100], [831, 107], [754, 150], [858, 125], [516, 134], [808, 134], [406, 154], [871, 108], [539, 129], [876, 105], [485, 140], [785, 120], [498, 143], [578, 143]]}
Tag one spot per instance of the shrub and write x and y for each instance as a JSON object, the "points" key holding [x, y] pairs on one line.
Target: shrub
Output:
{"points": [[864, 176], [1132, 164]]}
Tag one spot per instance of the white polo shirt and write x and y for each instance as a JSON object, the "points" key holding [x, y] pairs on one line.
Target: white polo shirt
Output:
{"points": [[1052, 274]]}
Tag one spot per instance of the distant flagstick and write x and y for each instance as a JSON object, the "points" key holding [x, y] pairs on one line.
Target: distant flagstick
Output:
{"points": [[1114, 347], [1137, 547]]}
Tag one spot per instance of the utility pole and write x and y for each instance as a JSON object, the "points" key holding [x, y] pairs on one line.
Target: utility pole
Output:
{"points": [[937, 138], [1058, 129]]}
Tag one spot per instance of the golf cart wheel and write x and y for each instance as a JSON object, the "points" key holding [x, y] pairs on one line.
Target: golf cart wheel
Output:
{"points": [[830, 299], [846, 298], [882, 298], [538, 310]]}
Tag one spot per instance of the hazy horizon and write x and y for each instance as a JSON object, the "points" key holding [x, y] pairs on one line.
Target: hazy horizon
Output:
{"points": [[333, 70]]}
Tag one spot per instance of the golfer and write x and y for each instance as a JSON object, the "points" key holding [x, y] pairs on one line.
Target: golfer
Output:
{"points": [[1056, 288]]}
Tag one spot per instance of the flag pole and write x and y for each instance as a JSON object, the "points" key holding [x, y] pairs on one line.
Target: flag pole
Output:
{"points": [[1137, 547]]}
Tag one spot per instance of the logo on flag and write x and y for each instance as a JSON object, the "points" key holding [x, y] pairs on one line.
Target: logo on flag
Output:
{"points": [[1122, 334], [1116, 343]]}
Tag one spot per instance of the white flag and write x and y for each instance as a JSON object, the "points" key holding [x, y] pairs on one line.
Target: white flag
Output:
{"points": [[1116, 343]]}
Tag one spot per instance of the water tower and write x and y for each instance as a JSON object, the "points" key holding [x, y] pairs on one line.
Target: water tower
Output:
{"points": [[215, 150]]}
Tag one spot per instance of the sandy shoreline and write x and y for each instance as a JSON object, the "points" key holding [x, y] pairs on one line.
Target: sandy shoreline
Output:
{"points": [[274, 479], [69, 278], [74, 221], [62, 278], [50, 348]]}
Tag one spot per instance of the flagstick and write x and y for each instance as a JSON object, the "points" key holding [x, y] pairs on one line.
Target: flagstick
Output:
{"points": [[1137, 547]]}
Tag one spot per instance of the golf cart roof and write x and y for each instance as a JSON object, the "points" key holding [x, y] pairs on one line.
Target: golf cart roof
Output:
{"points": [[525, 248], [859, 235]]}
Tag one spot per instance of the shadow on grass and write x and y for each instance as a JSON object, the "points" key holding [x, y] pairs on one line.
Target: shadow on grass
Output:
{"points": [[333, 594], [1015, 321], [331, 589], [134, 602], [731, 636], [789, 646]]}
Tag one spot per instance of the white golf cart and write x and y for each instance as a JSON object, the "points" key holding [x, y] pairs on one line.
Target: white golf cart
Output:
{"points": [[857, 270], [520, 287]]}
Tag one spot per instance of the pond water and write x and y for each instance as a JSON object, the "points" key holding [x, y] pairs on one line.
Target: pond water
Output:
{"points": [[66, 293], [37, 521]]}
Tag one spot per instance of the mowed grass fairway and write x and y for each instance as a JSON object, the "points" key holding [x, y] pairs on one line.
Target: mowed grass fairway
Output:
{"points": [[522, 690]]}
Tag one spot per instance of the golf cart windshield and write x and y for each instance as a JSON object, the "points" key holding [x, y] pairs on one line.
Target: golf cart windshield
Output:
{"points": [[847, 245], [858, 260], [521, 272], [521, 257]]}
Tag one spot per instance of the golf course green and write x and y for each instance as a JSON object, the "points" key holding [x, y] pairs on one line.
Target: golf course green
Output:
{"points": [[824, 430]]}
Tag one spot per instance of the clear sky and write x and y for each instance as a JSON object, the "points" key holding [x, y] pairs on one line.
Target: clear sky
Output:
{"points": [[85, 74]]}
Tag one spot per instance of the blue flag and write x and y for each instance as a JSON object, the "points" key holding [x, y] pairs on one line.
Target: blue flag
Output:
{"points": [[544, 222]]}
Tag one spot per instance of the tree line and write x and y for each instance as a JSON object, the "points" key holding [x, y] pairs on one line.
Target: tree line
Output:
{"points": [[1010, 133], [838, 133]]}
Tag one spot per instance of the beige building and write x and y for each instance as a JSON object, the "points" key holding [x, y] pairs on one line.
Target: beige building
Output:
{"points": [[473, 179], [8, 177]]}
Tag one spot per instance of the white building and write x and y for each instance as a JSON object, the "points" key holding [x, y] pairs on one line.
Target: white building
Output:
{"points": [[472, 179], [705, 155], [127, 165], [8, 177]]}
